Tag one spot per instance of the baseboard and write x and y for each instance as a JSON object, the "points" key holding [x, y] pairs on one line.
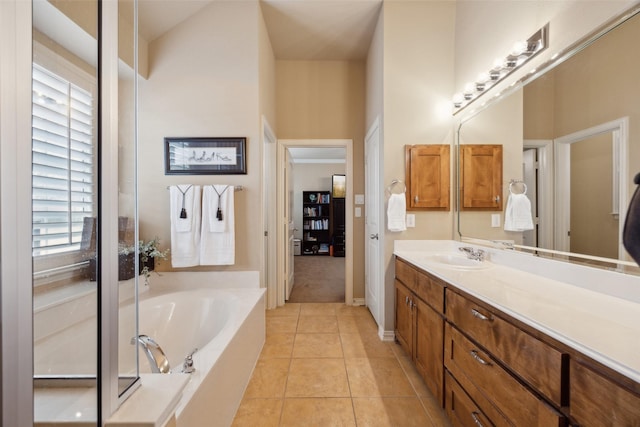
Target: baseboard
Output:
{"points": [[358, 301], [386, 335]]}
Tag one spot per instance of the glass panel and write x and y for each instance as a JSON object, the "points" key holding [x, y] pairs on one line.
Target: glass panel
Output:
{"points": [[127, 208], [64, 200]]}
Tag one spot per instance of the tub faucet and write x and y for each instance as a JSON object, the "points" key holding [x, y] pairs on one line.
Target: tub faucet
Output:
{"points": [[476, 254], [187, 365], [157, 359]]}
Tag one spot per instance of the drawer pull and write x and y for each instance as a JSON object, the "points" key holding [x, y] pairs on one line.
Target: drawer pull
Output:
{"points": [[476, 419], [406, 300], [479, 359], [479, 315]]}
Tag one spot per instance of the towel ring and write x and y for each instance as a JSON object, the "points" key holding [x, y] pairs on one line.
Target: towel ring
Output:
{"points": [[393, 184], [524, 187]]}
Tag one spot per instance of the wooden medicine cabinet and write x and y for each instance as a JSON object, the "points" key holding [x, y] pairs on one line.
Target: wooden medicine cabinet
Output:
{"points": [[427, 177], [481, 177]]}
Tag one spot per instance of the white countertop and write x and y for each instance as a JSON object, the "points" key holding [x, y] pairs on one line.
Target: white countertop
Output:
{"points": [[601, 326]]}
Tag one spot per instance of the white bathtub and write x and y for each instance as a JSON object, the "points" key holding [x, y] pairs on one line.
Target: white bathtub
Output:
{"points": [[228, 329]]}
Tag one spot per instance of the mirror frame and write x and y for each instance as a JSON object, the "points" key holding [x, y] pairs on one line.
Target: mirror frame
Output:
{"points": [[529, 76]]}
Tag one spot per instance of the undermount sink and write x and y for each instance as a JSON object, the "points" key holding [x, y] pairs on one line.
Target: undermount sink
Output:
{"points": [[457, 261]]}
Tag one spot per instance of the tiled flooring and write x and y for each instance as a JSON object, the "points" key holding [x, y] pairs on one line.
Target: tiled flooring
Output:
{"points": [[323, 365]]}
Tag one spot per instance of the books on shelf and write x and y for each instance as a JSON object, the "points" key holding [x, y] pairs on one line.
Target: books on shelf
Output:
{"points": [[324, 198], [312, 211], [316, 224]]}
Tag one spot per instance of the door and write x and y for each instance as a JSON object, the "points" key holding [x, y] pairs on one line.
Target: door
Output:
{"points": [[289, 229], [373, 230], [530, 175]]}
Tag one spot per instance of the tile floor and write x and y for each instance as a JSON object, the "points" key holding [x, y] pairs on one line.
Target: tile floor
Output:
{"points": [[323, 365]]}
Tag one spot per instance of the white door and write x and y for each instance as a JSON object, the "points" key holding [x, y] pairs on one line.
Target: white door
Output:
{"points": [[373, 229], [288, 208], [530, 178]]}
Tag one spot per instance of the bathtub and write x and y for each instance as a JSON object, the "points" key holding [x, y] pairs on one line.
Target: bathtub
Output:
{"points": [[227, 326]]}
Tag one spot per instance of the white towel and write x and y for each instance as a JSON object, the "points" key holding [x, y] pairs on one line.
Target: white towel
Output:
{"points": [[396, 213], [517, 216], [185, 232], [218, 241]]}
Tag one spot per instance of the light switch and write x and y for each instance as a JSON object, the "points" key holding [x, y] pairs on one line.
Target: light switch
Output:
{"points": [[495, 220], [359, 199], [411, 220], [358, 212]]}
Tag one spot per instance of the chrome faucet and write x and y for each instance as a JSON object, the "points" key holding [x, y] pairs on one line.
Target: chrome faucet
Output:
{"points": [[157, 359], [187, 365], [476, 254]]}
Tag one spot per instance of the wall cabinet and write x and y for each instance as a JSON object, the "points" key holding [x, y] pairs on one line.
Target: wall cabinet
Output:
{"points": [[481, 180], [427, 177], [316, 222], [498, 371]]}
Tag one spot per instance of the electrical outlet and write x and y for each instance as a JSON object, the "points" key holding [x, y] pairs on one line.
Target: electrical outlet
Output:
{"points": [[411, 220], [358, 212], [495, 220]]}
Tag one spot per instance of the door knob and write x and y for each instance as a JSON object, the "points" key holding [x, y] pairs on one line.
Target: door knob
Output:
{"points": [[373, 236]]}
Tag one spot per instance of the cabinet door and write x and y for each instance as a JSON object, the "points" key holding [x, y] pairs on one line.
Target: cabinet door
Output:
{"points": [[427, 176], [481, 181], [597, 401], [404, 319], [462, 411], [428, 352]]}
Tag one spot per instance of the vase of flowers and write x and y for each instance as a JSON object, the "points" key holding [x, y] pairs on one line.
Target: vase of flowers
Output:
{"points": [[148, 252]]}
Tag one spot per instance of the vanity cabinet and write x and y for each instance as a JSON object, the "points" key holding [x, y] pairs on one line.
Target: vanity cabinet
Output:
{"points": [[420, 323], [427, 177], [481, 177], [598, 401]]}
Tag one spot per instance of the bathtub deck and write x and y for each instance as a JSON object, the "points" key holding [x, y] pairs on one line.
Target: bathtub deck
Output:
{"points": [[323, 364]]}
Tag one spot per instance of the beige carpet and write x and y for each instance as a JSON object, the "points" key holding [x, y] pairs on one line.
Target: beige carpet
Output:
{"points": [[318, 279]]}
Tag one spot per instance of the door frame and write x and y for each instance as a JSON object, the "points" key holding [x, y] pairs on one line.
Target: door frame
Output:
{"points": [[544, 149], [268, 270], [281, 242]]}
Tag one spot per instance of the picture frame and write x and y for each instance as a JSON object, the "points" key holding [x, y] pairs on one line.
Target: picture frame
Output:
{"points": [[339, 186], [204, 156]]}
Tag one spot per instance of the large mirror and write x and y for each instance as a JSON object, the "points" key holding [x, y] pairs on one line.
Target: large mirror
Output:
{"points": [[571, 141]]}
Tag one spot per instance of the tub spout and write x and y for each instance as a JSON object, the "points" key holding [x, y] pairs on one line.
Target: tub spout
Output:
{"points": [[157, 359], [187, 365]]}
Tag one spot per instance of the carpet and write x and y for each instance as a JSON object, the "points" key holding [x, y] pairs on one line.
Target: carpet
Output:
{"points": [[318, 279]]}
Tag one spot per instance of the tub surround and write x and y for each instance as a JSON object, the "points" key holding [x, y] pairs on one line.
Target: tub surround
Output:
{"points": [[591, 310], [223, 366]]}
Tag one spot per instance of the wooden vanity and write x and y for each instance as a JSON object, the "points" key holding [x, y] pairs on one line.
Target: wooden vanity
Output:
{"points": [[488, 368]]}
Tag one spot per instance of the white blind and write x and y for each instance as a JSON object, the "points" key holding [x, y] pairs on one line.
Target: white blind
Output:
{"points": [[63, 162]]}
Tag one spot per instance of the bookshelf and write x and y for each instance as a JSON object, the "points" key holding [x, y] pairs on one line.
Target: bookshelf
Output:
{"points": [[316, 222]]}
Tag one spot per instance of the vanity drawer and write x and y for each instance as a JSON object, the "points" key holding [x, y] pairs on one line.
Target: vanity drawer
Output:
{"points": [[407, 274], [541, 365], [598, 401], [461, 410], [511, 398], [431, 290]]}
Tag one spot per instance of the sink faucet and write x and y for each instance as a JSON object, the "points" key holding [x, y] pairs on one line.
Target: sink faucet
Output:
{"points": [[476, 254], [157, 359]]}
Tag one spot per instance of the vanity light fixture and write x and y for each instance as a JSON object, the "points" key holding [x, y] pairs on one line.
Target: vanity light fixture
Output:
{"points": [[520, 53]]}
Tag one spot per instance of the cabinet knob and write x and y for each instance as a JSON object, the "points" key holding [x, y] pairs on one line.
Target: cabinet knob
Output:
{"points": [[497, 199], [406, 300], [415, 199]]}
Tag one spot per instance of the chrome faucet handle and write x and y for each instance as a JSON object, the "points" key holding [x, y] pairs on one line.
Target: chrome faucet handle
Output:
{"points": [[187, 365]]}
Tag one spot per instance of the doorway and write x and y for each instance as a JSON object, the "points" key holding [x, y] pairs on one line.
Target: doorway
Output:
{"points": [[306, 211]]}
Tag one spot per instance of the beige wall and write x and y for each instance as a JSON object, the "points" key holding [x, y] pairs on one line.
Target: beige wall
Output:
{"points": [[204, 81], [326, 100], [417, 82]]}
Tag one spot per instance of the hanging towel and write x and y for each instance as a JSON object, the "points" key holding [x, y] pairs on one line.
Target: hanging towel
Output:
{"points": [[517, 215], [218, 241], [396, 212], [185, 232]]}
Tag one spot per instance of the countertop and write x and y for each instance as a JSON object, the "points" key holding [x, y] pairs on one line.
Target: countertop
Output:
{"points": [[604, 327]]}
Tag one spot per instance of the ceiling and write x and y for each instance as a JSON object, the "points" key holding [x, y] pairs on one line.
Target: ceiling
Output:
{"points": [[318, 154], [298, 29]]}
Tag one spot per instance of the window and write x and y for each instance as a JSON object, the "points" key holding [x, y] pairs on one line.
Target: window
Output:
{"points": [[63, 162]]}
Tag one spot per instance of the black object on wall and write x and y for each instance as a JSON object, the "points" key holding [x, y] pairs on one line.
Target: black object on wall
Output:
{"points": [[631, 232]]}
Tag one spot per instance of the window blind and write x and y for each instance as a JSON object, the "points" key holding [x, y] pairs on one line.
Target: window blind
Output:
{"points": [[63, 162]]}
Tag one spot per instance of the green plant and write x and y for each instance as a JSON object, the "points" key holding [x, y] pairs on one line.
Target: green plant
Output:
{"points": [[148, 251]]}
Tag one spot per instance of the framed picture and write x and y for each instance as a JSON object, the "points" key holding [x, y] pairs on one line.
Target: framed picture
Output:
{"points": [[204, 156], [339, 187]]}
